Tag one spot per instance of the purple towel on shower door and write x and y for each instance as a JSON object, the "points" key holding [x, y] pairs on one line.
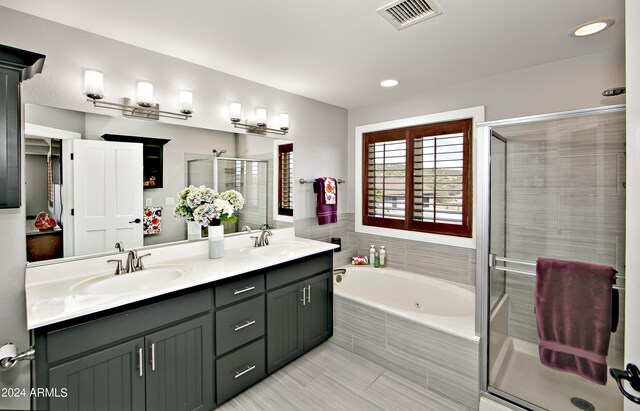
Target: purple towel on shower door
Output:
{"points": [[327, 213], [573, 316]]}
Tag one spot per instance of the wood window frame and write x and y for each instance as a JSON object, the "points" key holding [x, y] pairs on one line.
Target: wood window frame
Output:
{"points": [[408, 134], [283, 148]]}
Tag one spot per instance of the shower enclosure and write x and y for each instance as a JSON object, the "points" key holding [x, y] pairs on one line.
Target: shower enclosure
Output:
{"points": [[555, 188], [247, 176]]}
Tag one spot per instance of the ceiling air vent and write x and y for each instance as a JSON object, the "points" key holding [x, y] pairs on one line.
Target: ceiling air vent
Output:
{"points": [[404, 13]]}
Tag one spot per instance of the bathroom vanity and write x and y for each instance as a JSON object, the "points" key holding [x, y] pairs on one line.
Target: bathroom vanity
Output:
{"points": [[190, 348]]}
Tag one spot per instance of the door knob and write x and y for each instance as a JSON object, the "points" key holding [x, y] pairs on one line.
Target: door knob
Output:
{"points": [[631, 374], [136, 221]]}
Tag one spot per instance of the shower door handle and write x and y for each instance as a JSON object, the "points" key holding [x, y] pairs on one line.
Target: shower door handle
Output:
{"points": [[631, 374]]}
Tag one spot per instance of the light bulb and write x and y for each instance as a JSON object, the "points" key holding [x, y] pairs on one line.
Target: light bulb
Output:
{"points": [[235, 111], [284, 121], [93, 84], [185, 98], [145, 94], [261, 117]]}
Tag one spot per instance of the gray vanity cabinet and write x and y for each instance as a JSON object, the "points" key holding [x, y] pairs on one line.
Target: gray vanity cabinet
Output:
{"points": [[107, 379], [156, 357], [162, 355], [299, 314], [318, 312], [179, 366], [284, 326]]}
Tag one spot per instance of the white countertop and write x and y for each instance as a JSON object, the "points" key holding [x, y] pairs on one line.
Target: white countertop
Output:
{"points": [[50, 291]]}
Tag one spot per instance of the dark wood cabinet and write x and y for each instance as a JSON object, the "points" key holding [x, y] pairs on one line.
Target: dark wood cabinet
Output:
{"points": [[15, 66], [152, 157]]}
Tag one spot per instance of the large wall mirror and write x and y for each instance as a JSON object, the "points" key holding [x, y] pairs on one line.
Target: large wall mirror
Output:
{"points": [[122, 181]]}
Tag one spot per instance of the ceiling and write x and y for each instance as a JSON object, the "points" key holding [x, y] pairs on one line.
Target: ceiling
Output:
{"points": [[338, 51]]}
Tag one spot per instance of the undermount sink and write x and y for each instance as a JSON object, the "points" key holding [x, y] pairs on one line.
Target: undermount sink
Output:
{"points": [[139, 281], [280, 249]]}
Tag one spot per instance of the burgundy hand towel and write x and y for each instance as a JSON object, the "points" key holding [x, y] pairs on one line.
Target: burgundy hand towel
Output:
{"points": [[327, 213], [573, 316]]}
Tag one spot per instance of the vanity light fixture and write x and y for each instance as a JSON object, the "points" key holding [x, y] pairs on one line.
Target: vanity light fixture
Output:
{"points": [[143, 107], [592, 27], [235, 115]]}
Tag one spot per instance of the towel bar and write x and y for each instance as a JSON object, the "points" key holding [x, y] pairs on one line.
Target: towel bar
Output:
{"points": [[303, 181], [493, 259]]}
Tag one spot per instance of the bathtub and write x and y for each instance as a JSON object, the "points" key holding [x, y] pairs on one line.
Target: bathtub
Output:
{"points": [[443, 305]]}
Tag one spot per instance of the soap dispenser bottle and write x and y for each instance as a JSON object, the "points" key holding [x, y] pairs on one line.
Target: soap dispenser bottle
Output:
{"points": [[372, 254], [383, 257]]}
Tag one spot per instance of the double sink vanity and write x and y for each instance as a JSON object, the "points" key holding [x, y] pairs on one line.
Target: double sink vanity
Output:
{"points": [[186, 332]]}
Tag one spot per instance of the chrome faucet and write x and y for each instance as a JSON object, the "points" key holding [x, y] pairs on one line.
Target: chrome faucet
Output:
{"points": [[134, 261], [263, 239], [246, 228], [119, 246]]}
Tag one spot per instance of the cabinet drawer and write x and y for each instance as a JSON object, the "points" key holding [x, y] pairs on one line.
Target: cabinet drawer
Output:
{"points": [[103, 331], [237, 290], [297, 270], [240, 369], [239, 324]]}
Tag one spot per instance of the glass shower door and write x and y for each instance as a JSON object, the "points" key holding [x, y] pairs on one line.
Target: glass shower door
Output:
{"points": [[557, 190]]}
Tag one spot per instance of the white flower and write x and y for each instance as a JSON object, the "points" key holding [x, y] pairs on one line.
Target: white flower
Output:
{"points": [[223, 207]]}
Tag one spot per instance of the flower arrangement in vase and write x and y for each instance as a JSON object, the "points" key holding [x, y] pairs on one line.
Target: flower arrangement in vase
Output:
{"points": [[202, 207]]}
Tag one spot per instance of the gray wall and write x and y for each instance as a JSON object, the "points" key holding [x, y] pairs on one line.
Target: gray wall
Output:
{"points": [[563, 85]]}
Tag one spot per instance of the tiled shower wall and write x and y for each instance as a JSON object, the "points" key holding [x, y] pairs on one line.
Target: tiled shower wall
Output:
{"points": [[565, 199], [450, 263]]}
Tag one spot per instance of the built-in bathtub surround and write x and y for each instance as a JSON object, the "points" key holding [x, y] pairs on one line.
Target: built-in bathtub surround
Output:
{"points": [[420, 328], [435, 260]]}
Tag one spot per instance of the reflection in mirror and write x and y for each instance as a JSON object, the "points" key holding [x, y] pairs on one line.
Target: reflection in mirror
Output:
{"points": [[124, 190]]}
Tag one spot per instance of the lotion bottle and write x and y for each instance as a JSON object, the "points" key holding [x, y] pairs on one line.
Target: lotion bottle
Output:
{"points": [[383, 257], [372, 254]]}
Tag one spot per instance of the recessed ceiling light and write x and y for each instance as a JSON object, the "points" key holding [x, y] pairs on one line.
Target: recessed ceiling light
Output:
{"points": [[592, 27], [389, 83]]}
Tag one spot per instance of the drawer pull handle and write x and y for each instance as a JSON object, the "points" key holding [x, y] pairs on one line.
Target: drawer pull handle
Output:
{"points": [[140, 362], [304, 296], [309, 294], [243, 290], [249, 368], [153, 357], [246, 324]]}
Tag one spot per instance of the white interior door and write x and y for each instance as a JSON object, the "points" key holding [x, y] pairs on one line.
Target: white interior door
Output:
{"points": [[107, 195]]}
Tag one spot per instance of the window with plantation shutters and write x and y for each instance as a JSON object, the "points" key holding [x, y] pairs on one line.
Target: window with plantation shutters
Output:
{"points": [[285, 179], [419, 178]]}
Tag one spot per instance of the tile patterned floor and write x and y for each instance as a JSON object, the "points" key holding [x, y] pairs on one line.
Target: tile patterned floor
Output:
{"points": [[331, 378]]}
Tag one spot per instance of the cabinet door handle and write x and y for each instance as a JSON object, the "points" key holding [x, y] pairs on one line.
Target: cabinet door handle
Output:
{"points": [[140, 362], [304, 296], [243, 290], [246, 324], [309, 293], [246, 370], [153, 357]]}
